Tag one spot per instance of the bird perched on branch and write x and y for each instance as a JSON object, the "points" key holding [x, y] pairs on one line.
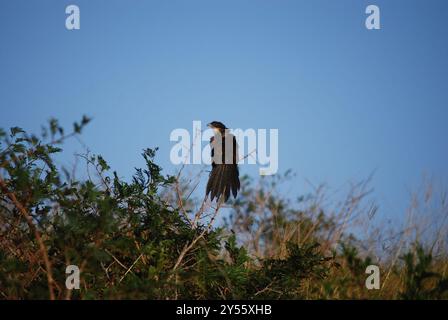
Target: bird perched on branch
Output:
{"points": [[224, 177]]}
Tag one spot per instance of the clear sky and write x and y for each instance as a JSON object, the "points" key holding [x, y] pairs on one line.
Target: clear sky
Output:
{"points": [[346, 100]]}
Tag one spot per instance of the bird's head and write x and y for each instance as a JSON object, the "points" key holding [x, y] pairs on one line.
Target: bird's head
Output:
{"points": [[217, 126]]}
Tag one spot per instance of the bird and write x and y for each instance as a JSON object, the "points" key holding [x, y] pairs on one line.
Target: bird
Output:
{"points": [[224, 176]]}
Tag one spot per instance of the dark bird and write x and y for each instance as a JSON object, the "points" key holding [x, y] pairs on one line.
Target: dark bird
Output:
{"points": [[224, 177]]}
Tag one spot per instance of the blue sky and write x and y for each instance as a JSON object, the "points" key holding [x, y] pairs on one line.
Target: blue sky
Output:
{"points": [[346, 100]]}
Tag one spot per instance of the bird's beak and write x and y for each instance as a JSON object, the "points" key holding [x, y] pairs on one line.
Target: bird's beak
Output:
{"points": [[209, 125]]}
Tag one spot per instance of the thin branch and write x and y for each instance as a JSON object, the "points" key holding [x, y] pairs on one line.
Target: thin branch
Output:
{"points": [[189, 246], [130, 268]]}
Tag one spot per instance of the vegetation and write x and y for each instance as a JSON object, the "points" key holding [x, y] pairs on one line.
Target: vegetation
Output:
{"points": [[147, 238]]}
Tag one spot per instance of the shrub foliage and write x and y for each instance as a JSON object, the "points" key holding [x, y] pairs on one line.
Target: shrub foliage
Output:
{"points": [[130, 240]]}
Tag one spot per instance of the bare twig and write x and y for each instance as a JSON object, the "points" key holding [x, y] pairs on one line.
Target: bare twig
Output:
{"points": [[187, 247], [130, 268]]}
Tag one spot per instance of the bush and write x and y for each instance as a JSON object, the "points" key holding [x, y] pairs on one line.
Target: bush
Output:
{"points": [[127, 241], [144, 239]]}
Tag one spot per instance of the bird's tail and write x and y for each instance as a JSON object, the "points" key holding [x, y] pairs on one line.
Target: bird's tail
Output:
{"points": [[223, 179]]}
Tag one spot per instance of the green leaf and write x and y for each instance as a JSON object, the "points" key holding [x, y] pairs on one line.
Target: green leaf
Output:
{"points": [[16, 130]]}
